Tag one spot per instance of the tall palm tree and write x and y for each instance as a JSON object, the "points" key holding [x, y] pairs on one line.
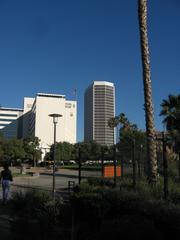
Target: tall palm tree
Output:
{"points": [[121, 119], [113, 122], [150, 131]]}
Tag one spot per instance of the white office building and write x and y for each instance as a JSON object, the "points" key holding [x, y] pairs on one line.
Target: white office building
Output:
{"points": [[99, 107], [38, 123], [34, 120]]}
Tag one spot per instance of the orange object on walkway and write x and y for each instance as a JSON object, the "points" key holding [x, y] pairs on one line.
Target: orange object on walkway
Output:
{"points": [[109, 171]]}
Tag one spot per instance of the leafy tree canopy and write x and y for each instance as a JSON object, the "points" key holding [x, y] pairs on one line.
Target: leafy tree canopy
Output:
{"points": [[63, 151], [13, 149], [127, 137], [31, 147], [89, 150]]}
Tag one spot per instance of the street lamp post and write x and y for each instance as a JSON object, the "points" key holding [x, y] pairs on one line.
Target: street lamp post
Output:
{"points": [[55, 117]]}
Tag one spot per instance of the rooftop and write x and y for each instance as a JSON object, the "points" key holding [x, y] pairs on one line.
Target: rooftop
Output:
{"points": [[103, 83], [50, 95]]}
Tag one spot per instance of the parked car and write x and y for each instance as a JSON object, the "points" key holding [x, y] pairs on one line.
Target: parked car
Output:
{"points": [[72, 161]]}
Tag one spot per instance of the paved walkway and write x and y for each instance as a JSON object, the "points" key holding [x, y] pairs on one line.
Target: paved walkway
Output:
{"points": [[44, 180]]}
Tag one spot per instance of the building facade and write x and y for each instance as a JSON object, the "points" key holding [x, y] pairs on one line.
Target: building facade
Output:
{"points": [[99, 107], [37, 123], [11, 122], [34, 120]]}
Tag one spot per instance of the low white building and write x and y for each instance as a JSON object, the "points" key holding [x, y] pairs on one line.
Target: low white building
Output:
{"points": [[11, 122], [38, 123]]}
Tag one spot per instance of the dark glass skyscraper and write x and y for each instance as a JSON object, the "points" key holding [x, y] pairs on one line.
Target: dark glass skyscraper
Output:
{"points": [[99, 106]]}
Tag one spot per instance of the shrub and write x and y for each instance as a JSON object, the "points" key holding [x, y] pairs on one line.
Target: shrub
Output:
{"points": [[174, 192], [172, 169], [113, 212], [25, 203], [148, 191], [35, 211], [84, 187], [101, 181], [48, 214]]}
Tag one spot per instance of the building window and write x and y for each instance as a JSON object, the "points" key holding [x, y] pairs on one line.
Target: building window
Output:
{"points": [[8, 115], [67, 105], [6, 120]]}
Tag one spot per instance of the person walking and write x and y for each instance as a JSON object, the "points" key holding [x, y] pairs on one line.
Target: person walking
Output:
{"points": [[5, 178]]}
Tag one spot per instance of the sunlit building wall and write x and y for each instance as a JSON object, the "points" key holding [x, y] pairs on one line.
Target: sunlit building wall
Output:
{"points": [[99, 107], [37, 122]]}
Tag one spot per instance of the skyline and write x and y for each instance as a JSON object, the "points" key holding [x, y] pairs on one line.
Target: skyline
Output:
{"points": [[56, 47]]}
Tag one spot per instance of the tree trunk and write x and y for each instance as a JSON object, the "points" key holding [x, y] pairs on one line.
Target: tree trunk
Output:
{"points": [[179, 167], [165, 166], [134, 163], [79, 168], [150, 131], [102, 162], [122, 166], [115, 167]]}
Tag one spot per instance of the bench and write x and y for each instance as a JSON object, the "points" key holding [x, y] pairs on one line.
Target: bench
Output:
{"points": [[34, 174]]}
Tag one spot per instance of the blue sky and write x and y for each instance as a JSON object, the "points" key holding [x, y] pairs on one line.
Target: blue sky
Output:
{"points": [[55, 46]]}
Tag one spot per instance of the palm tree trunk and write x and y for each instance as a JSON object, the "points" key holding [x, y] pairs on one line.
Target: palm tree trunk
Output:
{"points": [[150, 131], [179, 167]]}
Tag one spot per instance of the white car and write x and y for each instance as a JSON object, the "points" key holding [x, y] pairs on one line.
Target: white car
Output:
{"points": [[72, 161]]}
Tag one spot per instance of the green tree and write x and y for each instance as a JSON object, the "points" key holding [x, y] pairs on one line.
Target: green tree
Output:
{"points": [[1, 136], [32, 150], [89, 150], [63, 152], [127, 136], [113, 122], [171, 113], [121, 120], [95, 150], [1, 146], [149, 112], [13, 150], [85, 149]]}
